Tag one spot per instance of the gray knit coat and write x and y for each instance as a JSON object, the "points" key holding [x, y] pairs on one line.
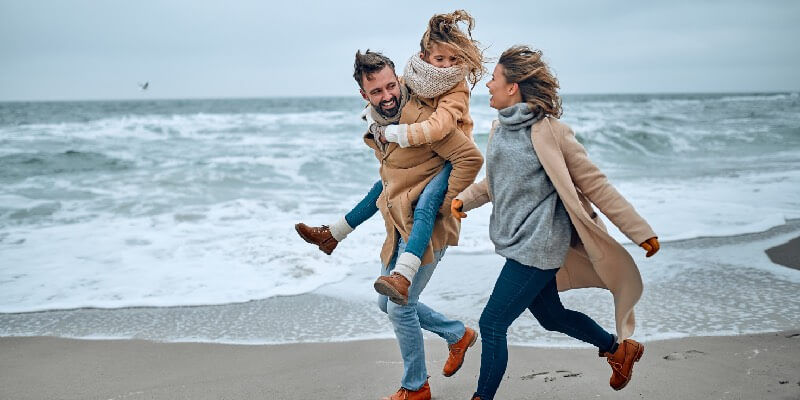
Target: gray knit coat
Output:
{"points": [[529, 223]]}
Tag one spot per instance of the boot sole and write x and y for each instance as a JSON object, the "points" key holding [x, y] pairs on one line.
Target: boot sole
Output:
{"points": [[639, 354], [389, 291], [472, 343], [309, 241]]}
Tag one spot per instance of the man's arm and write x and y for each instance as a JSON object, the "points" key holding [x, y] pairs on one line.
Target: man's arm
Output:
{"points": [[466, 159]]}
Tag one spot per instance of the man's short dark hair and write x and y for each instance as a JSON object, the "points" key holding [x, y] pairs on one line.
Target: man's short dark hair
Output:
{"points": [[369, 63]]}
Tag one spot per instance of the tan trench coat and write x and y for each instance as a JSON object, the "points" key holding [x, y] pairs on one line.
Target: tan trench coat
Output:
{"points": [[596, 260], [406, 171]]}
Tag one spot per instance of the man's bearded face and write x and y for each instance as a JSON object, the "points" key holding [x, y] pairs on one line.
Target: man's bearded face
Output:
{"points": [[382, 90]]}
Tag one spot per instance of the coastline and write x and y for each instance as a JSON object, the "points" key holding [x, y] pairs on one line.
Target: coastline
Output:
{"points": [[179, 352], [733, 367], [693, 276]]}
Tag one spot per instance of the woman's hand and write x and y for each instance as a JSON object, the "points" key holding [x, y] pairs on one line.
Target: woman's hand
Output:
{"points": [[650, 245], [455, 209]]}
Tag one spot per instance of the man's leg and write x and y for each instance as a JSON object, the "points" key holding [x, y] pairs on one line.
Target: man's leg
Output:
{"points": [[408, 322]]}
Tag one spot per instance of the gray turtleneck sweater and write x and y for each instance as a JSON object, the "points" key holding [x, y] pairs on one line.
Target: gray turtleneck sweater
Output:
{"points": [[529, 223]]}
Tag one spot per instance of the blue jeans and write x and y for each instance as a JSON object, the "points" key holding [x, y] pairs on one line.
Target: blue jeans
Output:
{"points": [[409, 320], [519, 287], [425, 211]]}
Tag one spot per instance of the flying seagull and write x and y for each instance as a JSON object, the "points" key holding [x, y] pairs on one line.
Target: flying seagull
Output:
{"points": [[144, 86]]}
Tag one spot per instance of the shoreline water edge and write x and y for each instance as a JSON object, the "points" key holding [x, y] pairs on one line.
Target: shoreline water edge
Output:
{"points": [[689, 291]]}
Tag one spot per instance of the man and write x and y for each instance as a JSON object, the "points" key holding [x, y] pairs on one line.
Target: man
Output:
{"points": [[404, 173]]}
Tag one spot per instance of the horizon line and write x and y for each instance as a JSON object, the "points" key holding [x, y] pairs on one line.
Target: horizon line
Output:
{"points": [[766, 92]]}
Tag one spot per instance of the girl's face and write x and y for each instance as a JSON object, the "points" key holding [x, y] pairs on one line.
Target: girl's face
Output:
{"points": [[502, 93], [440, 56]]}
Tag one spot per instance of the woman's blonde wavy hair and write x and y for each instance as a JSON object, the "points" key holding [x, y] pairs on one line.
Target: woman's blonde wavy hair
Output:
{"points": [[443, 30], [537, 84]]}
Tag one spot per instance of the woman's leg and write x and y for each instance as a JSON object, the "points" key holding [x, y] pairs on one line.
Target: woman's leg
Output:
{"points": [[515, 289], [552, 315], [428, 204]]}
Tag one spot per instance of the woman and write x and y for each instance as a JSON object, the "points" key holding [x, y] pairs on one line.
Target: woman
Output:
{"points": [[540, 182]]}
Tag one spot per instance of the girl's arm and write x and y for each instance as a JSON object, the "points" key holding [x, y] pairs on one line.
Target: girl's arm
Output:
{"points": [[594, 184], [450, 109]]}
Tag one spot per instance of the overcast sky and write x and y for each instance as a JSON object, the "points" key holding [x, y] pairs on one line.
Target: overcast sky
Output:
{"points": [[56, 50]]}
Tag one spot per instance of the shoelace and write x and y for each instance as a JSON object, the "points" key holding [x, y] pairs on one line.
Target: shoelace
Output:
{"points": [[617, 367], [403, 391]]}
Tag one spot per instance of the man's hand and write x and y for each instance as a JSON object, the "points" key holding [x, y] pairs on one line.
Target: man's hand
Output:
{"points": [[455, 209], [377, 131], [651, 246]]}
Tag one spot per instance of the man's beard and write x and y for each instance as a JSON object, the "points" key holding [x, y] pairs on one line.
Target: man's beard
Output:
{"points": [[390, 112]]}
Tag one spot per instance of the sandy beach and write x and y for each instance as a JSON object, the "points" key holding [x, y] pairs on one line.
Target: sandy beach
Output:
{"points": [[764, 366], [224, 351]]}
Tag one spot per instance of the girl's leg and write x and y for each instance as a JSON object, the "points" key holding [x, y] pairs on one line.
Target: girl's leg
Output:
{"points": [[425, 212], [515, 289], [552, 315], [365, 209]]}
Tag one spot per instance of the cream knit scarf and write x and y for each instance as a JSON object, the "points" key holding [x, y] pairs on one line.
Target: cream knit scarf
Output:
{"points": [[427, 81], [382, 120]]}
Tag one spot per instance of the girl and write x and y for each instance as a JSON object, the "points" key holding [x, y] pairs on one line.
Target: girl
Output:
{"points": [[540, 183], [448, 59]]}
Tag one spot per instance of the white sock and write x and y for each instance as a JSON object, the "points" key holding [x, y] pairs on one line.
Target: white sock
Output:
{"points": [[340, 229], [407, 264]]}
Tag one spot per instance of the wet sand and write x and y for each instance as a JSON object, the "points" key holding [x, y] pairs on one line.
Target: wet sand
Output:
{"points": [[787, 254], [765, 366]]}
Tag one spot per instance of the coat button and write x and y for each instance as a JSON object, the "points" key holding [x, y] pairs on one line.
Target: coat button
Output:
{"points": [[390, 205]]}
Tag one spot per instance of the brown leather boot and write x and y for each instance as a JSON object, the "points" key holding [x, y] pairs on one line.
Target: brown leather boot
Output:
{"points": [[320, 236], [423, 393], [621, 362], [457, 352], [394, 286]]}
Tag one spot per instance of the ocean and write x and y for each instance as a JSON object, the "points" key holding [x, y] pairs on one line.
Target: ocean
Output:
{"points": [[109, 208]]}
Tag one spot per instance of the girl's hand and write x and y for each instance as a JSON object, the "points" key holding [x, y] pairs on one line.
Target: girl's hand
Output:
{"points": [[651, 246], [455, 209], [377, 131]]}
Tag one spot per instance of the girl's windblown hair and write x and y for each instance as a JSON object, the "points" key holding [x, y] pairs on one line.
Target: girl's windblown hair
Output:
{"points": [[443, 30], [537, 84]]}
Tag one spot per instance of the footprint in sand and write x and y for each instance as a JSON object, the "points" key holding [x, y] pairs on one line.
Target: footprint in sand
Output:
{"points": [[533, 375], [684, 355], [563, 373]]}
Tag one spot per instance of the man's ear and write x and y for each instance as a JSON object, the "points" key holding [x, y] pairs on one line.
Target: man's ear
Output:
{"points": [[422, 55], [513, 89], [363, 94]]}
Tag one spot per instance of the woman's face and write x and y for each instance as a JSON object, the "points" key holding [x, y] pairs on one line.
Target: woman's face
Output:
{"points": [[502, 94]]}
